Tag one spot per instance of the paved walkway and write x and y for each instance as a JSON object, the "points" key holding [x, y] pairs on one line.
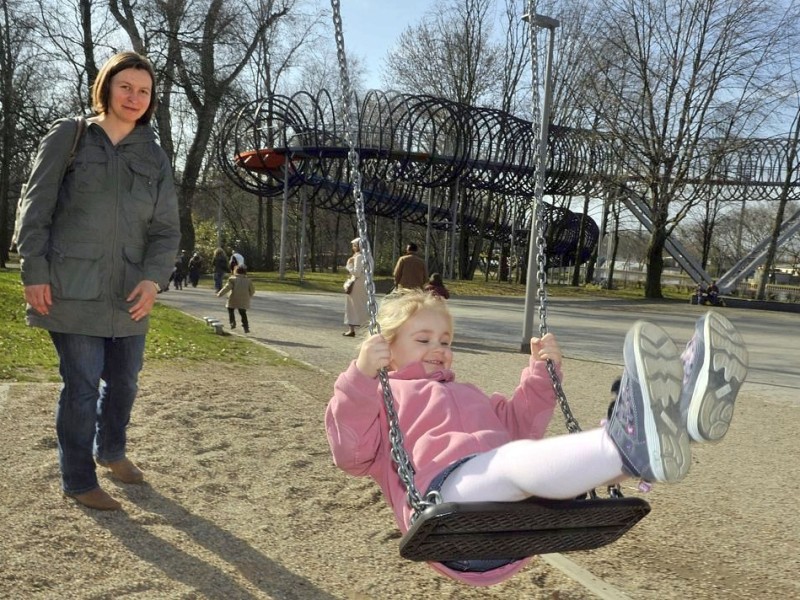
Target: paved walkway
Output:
{"points": [[308, 327]]}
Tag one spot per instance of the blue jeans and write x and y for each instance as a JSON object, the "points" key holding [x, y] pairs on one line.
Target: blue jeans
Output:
{"points": [[99, 378]]}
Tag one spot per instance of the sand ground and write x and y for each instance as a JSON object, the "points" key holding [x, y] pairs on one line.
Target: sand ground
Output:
{"points": [[242, 502]]}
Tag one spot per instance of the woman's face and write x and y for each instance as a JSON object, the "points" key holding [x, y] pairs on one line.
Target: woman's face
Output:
{"points": [[355, 248], [129, 95], [424, 338]]}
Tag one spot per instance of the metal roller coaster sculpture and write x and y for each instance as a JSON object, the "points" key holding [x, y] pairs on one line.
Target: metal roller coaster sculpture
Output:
{"points": [[418, 153], [409, 147]]}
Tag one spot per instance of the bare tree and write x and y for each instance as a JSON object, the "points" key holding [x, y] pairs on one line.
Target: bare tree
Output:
{"points": [[206, 46], [275, 58], [685, 71], [792, 168], [31, 98], [448, 55], [9, 40], [451, 55]]}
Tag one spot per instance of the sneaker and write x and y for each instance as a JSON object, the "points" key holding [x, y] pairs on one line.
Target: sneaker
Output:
{"points": [[646, 424], [714, 368]]}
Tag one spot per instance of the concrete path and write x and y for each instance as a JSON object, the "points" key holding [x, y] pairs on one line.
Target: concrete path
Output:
{"points": [[308, 327]]}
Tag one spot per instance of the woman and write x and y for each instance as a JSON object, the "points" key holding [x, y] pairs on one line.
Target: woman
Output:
{"points": [[220, 268], [355, 308], [195, 266], [95, 247]]}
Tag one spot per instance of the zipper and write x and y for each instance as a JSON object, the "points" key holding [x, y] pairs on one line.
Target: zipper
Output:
{"points": [[115, 258]]}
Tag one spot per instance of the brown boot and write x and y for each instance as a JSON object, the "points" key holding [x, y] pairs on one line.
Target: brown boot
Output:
{"points": [[125, 471], [97, 499]]}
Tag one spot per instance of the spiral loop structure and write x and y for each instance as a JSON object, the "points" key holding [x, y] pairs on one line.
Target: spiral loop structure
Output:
{"points": [[411, 144]]}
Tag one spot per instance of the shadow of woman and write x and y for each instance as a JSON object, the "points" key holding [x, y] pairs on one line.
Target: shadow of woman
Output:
{"points": [[184, 565]]}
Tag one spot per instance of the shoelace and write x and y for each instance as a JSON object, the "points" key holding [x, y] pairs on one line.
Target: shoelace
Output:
{"points": [[626, 408], [688, 357]]}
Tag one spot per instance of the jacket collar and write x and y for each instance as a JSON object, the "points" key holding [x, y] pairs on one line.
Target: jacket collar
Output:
{"points": [[416, 370]]}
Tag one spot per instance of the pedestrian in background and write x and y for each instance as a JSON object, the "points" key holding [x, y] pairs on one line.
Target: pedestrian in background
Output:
{"points": [[355, 307], [410, 271], [195, 267], [436, 286], [241, 289], [220, 261]]}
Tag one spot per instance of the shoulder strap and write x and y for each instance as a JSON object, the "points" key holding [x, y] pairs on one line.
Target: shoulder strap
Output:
{"points": [[80, 125]]}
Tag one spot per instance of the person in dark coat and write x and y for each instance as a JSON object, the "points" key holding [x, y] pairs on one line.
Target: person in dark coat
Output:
{"points": [[220, 261], [195, 267]]}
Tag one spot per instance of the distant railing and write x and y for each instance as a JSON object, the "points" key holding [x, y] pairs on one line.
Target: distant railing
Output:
{"points": [[773, 291], [635, 278]]}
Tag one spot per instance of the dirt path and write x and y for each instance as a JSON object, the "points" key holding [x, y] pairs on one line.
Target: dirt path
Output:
{"points": [[242, 502]]}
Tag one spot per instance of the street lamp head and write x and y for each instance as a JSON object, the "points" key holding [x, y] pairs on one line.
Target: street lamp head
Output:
{"points": [[542, 21]]}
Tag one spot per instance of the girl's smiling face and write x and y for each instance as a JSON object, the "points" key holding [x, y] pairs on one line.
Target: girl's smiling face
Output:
{"points": [[425, 337]]}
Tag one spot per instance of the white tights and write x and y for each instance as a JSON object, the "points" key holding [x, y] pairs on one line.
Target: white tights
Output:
{"points": [[559, 467]]}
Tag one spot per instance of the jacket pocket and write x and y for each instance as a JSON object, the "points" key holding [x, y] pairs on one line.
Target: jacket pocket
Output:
{"points": [[133, 257], [76, 271], [89, 172], [144, 181]]}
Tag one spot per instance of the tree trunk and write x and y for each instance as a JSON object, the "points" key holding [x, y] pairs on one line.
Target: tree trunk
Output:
{"points": [[655, 264], [576, 273]]}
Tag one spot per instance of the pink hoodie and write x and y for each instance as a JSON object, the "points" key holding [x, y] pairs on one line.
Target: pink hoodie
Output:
{"points": [[442, 421]]}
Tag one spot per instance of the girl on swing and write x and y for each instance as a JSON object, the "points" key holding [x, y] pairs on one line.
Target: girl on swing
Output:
{"points": [[471, 447]]}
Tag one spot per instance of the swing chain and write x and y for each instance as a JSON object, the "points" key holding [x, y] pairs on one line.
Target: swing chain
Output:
{"points": [[570, 421], [539, 166], [405, 469]]}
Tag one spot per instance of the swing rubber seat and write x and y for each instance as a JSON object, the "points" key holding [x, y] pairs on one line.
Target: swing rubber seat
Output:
{"points": [[515, 530]]}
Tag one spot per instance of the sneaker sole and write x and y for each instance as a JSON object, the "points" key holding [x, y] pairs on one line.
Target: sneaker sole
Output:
{"points": [[660, 373], [722, 373]]}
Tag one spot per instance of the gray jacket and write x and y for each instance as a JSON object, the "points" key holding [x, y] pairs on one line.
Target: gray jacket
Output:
{"points": [[112, 223]]}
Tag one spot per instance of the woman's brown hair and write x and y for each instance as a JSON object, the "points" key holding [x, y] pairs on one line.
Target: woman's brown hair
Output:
{"points": [[119, 62]]}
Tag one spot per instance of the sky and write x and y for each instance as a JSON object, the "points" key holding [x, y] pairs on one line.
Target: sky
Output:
{"points": [[371, 28]]}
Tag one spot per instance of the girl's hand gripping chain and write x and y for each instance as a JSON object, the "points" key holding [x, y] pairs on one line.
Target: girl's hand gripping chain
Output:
{"points": [[544, 348], [373, 355]]}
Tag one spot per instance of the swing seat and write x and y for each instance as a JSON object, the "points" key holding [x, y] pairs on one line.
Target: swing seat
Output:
{"points": [[515, 530]]}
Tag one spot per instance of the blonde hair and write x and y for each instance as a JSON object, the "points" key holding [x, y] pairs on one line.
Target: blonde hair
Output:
{"points": [[398, 307]]}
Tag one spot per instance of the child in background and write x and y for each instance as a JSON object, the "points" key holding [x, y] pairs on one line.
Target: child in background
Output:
{"points": [[241, 289], [470, 447], [435, 285]]}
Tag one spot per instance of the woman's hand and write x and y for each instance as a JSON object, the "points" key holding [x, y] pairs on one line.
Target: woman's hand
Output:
{"points": [[39, 297], [373, 355], [146, 293], [544, 348]]}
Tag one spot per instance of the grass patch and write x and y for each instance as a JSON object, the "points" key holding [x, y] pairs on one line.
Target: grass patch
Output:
{"points": [[27, 354], [332, 282]]}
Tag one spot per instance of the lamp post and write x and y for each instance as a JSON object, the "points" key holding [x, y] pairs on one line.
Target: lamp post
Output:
{"points": [[531, 282]]}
